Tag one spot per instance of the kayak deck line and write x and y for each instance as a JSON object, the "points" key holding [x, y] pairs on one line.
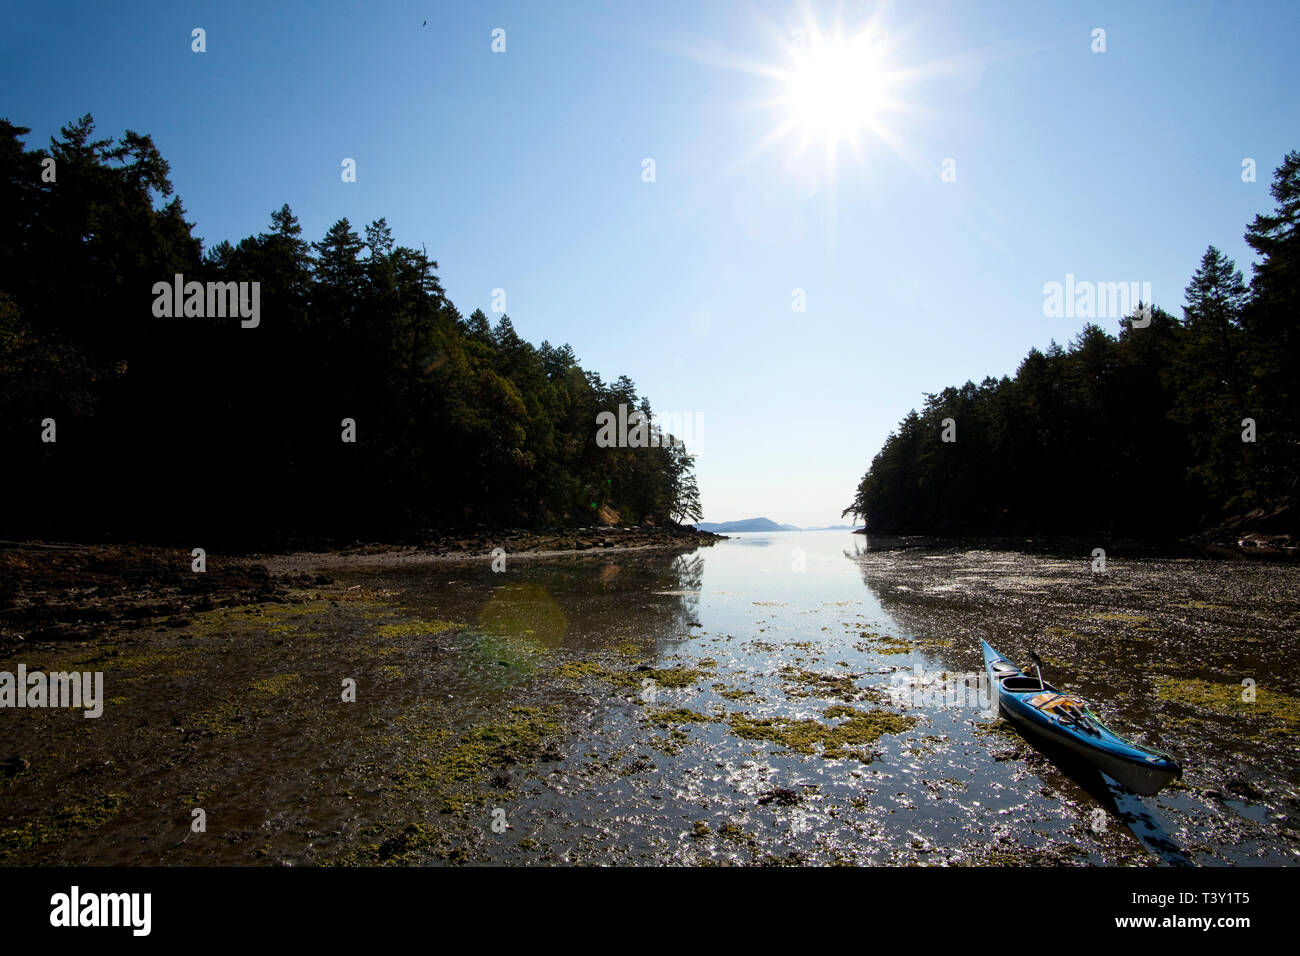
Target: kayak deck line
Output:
{"points": [[1066, 720]]}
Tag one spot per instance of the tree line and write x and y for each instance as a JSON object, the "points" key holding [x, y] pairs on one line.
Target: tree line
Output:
{"points": [[1160, 431], [116, 420]]}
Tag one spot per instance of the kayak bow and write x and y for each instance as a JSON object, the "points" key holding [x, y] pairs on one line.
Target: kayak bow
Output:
{"points": [[1064, 720]]}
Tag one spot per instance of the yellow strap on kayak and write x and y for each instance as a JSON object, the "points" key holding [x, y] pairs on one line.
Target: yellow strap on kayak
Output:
{"points": [[1053, 703]]}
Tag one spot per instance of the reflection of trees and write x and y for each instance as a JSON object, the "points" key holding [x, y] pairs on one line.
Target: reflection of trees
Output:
{"points": [[863, 543], [689, 569], [678, 580], [861, 550], [685, 573], [945, 629]]}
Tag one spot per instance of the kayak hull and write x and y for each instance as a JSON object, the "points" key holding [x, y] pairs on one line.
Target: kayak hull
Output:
{"points": [[1142, 770]]}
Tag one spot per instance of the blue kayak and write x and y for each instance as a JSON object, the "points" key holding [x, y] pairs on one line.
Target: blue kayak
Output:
{"points": [[1045, 713]]}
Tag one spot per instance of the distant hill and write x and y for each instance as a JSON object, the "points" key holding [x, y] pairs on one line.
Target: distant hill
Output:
{"points": [[748, 524], [762, 524]]}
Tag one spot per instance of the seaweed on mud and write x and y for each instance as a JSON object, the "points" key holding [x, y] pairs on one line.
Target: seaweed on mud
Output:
{"points": [[674, 678], [881, 644], [809, 736], [1002, 854], [20, 840], [1231, 699], [525, 736], [738, 835], [234, 715], [577, 670], [732, 693], [272, 618], [805, 683], [418, 627]]}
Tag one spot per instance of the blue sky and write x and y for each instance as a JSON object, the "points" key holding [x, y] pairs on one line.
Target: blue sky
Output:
{"points": [[522, 170]]}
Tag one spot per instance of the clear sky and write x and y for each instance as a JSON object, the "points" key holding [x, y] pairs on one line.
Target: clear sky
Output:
{"points": [[783, 161]]}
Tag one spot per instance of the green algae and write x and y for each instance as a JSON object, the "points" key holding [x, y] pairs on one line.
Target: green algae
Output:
{"points": [[739, 835], [17, 842], [233, 715], [225, 719], [272, 686], [881, 643], [526, 735], [577, 670], [674, 678], [1121, 618], [809, 736], [1228, 699], [805, 683], [893, 645], [419, 627], [1052, 854], [272, 618], [413, 844], [733, 693], [839, 710], [131, 658], [672, 745], [999, 727]]}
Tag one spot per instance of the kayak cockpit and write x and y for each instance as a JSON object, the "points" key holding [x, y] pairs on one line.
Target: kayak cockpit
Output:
{"points": [[1020, 684]]}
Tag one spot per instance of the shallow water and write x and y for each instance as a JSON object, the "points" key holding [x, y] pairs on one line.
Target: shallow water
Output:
{"points": [[739, 704]]}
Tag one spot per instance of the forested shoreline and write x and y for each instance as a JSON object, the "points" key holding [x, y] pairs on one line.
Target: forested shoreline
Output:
{"points": [[120, 419], [1163, 431]]}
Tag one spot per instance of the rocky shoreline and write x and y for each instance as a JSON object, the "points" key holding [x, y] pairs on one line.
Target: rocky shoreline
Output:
{"points": [[1270, 531], [55, 591]]}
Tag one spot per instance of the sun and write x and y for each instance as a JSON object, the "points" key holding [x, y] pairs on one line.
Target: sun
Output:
{"points": [[836, 88]]}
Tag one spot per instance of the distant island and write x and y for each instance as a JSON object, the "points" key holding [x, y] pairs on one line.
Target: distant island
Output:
{"points": [[761, 524]]}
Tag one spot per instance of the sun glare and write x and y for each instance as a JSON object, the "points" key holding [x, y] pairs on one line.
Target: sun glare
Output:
{"points": [[836, 88], [836, 91]]}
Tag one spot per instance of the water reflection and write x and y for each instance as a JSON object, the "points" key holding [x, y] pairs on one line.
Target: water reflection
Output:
{"points": [[761, 648]]}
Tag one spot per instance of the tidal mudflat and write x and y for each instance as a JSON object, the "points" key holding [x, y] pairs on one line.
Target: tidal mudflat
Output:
{"points": [[776, 699]]}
